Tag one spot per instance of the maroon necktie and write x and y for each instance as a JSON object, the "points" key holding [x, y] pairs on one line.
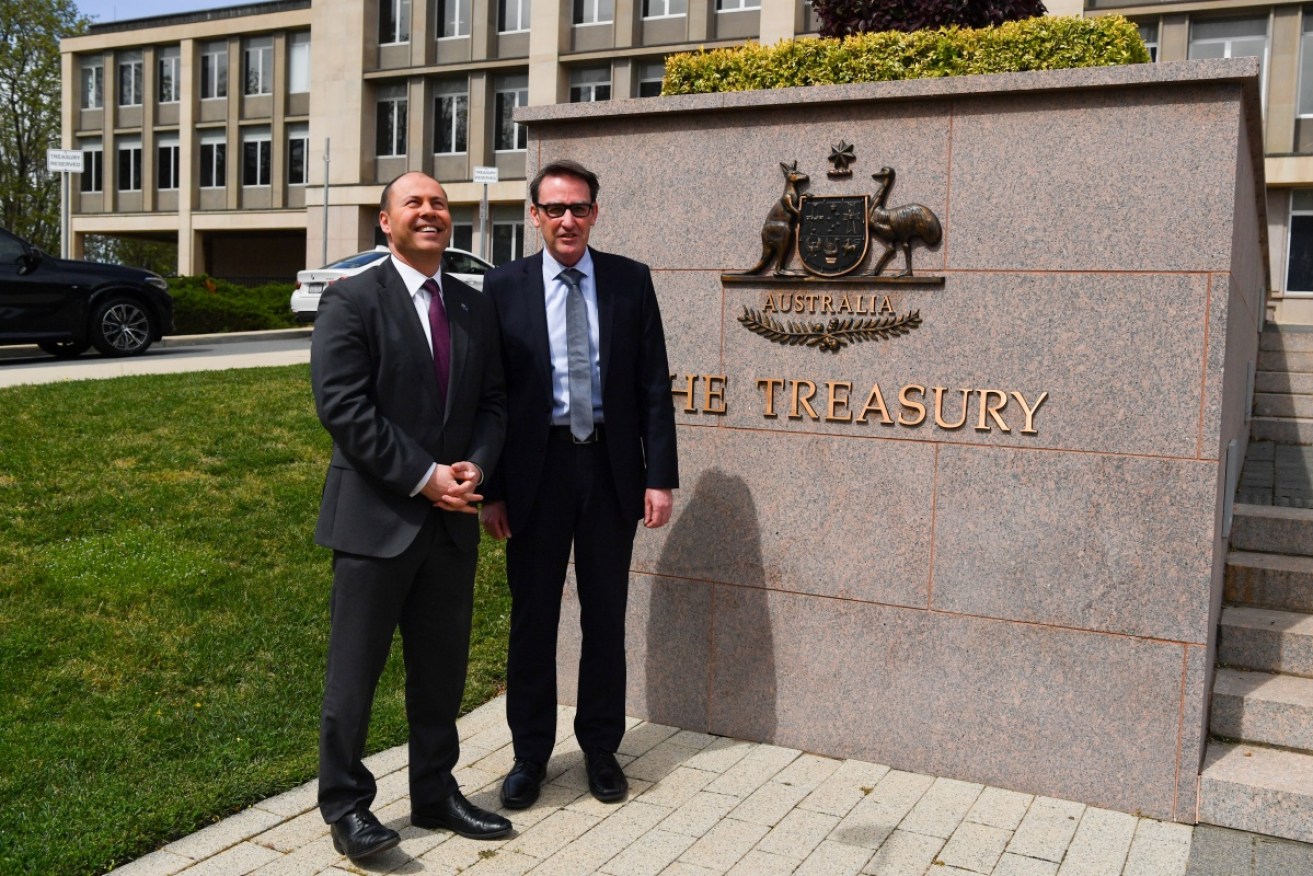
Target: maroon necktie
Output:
{"points": [[441, 332]]}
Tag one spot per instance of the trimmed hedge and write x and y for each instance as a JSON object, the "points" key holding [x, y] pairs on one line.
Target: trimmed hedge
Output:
{"points": [[843, 17], [203, 305], [1034, 44]]}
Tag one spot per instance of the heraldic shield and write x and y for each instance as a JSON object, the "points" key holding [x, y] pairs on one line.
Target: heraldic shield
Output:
{"points": [[832, 233]]}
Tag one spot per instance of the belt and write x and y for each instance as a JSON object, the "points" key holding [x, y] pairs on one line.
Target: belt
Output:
{"points": [[563, 433]]}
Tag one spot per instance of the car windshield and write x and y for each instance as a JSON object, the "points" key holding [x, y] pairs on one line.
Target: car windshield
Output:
{"points": [[358, 260]]}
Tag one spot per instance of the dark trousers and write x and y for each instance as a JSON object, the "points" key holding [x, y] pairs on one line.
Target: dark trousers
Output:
{"points": [[427, 591], [577, 506]]}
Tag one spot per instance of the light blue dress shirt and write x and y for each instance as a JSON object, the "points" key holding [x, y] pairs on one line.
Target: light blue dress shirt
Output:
{"points": [[555, 290]]}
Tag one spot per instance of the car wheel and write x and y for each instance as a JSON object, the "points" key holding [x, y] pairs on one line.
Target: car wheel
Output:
{"points": [[121, 327], [64, 349]]}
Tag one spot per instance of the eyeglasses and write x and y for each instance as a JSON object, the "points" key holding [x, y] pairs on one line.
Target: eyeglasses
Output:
{"points": [[556, 211]]}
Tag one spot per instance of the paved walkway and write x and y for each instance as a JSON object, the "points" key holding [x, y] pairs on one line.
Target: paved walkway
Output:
{"points": [[702, 805]]}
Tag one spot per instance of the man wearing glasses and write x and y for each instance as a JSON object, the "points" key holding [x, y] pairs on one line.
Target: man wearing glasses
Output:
{"points": [[590, 451]]}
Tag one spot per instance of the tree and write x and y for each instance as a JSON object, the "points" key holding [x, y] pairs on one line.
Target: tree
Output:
{"points": [[30, 31], [843, 17]]}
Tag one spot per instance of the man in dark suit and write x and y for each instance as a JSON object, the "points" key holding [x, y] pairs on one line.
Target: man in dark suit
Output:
{"points": [[590, 450], [407, 378]]}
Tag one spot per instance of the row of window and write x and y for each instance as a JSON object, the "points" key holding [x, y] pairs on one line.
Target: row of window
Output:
{"points": [[454, 16], [256, 161], [257, 72]]}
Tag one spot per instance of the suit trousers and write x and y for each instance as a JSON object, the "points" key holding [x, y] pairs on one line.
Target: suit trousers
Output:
{"points": [[428, 592], [577, 506]]}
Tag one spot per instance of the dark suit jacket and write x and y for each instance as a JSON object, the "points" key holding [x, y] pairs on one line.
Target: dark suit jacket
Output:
{"points": [[636, 401], [372, 373]]}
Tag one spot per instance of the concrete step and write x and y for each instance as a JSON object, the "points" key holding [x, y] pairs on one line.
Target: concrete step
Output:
{"points": [[1284, 360], [1264, 640], [1281, 430], [1283, 404], [1288, 338], [1273, 530], [1283, 381], [1277, 581], [1263, 707], [1248, 787]]}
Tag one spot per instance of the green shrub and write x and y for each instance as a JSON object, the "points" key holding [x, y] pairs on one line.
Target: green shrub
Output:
{"points": [[203, 305], [843, 17], [1033, 44]]}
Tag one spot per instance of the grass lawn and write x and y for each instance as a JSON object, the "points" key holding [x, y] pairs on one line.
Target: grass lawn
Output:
{"points": [[164, 611]]}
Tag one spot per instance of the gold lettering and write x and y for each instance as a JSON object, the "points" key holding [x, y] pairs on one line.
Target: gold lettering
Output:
{"points": [[904, 396], [844, 305], [939, 408], [713, 393], [798, 304], [802, 401], [875, 404], [770, 304], [811, 302], [827, 303], [988, 410], [1029, 428], [690, 380], [769, 384], [885, 305], [837, 402]]}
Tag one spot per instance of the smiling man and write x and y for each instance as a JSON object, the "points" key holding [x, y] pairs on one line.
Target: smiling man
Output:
{"points": [[407, 379]]}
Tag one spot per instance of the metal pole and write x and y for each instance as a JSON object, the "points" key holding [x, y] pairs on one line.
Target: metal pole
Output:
{"points": [[327, 145], [484, 249], [64, 228]]}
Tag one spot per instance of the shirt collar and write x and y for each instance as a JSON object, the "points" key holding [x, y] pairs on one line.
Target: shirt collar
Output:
{"points": [[413, 278], [552, 268]]}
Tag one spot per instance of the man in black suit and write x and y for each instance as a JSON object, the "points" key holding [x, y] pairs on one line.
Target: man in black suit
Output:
{"points": [[407, 378], [590, 450]]}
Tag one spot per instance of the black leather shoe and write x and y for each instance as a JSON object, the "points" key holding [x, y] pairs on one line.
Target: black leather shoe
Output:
{"points": [[605, 778], [460, 816], [522, 783], [358, 835]]}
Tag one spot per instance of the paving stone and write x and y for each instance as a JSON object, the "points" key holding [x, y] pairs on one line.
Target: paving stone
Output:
{"points": [[999, 808], [681, 869], [660, 761], [550, 799], [609, 838], [724, 844], [293, 833], [388, 760], [1159, 849], [490, 714], [873, 819], [798, 834], [769, 804], [498, 761], [491, 738], [567, 768], [1047, 829], [756, 863], [942, 808], [834, 859], [1217, 851], [1100, 845], [807, 772], [392, 787], [502, 863], [161, 863], [1018, 865], [229, 832], [699, 814], [239, 860], [720, 755], [552, 833], [586, 802], [755, 769], [644, 738], [460, 852], [678, 787], [845, 788], [649, 854], [904, 854], [1272, 855], [975, 847], [305, 861], [694, 739], [293, 802]]}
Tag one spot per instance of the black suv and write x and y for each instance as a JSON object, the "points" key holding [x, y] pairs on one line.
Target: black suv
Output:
{"points": [[66, 306]]}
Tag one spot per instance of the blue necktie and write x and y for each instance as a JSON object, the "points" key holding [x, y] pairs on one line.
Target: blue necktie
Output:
{"points": [[580, 362]]}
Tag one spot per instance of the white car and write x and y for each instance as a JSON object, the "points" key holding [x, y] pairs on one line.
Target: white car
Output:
{"points": [[310, 284]]}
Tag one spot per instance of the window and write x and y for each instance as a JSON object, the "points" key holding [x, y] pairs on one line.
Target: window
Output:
{"points": [[736, 5], [391, 141], [650, 77], [92, 166], [513, 15], [1299, 258], [259, 63], [588, 84], [129, 176], [298, 154], [166, 162], [298, 63], [462, 237], [450, 117], [511, 92], [507, 241], [454, 18], [169, 61], [1306, 68], [1232, 38], [664, 8], [255, 157], [593, 11], [214, 71], [93, 83], [393, 22], [130, 79], [1149, 33], [214, 152]]}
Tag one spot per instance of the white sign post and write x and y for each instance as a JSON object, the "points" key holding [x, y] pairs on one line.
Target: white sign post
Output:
{"points": [[64, 162], [485, 175]]}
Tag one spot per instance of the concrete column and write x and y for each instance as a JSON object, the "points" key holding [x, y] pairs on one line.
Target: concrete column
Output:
{"points": [[479, 125], [419, 141], [627, 13], [622, 79], [777, 20], [701, 14], [1283, 78], [189, 150], [236, 91], [483, 29], [149, 96], [549, 36], [1174, 38], [278, 126]]}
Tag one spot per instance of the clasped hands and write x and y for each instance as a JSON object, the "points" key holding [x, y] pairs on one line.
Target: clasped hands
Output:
{"points": [[451, 487]]}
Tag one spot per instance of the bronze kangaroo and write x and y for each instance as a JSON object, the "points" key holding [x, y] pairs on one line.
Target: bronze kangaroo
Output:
{"points": [[781, 222], [901, 225]]}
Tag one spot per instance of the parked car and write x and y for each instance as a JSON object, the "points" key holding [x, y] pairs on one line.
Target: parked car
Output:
{"points": [[464, 266], [65, 306]]}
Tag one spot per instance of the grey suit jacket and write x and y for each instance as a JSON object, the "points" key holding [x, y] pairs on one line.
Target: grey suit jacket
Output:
{"points": [[372, 374]]}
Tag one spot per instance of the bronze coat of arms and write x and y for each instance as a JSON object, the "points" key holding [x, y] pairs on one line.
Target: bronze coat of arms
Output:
{"points": [[832, 233]]}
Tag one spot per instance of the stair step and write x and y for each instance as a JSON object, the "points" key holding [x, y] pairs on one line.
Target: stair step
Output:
{"points": [[1284, 360], [1283, 404], [1269, 529], [1265, 640], [1263, 707], [1287, 338], [1283, 381], [1281, 430], [1264, 790], [1276, 581]]}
